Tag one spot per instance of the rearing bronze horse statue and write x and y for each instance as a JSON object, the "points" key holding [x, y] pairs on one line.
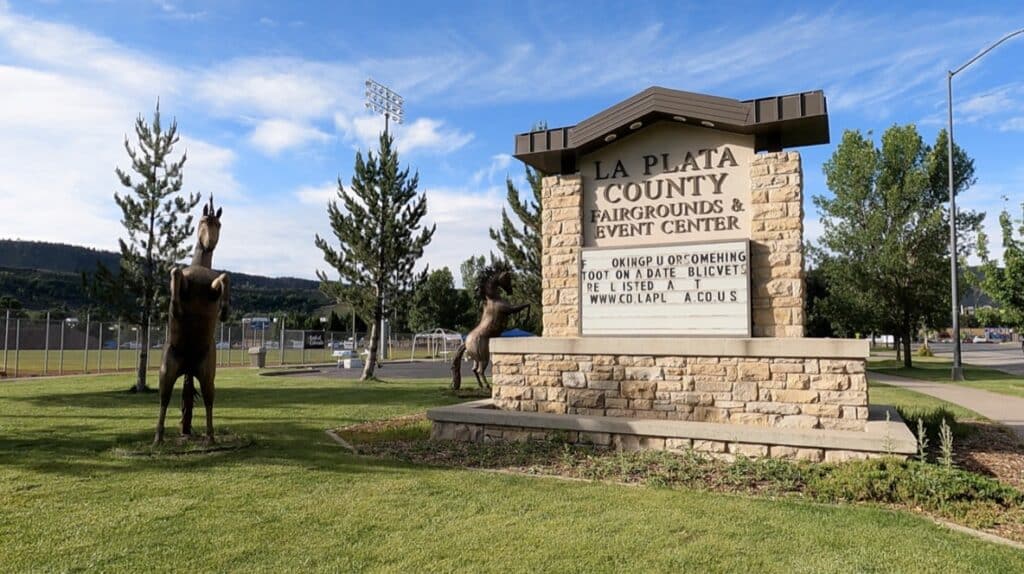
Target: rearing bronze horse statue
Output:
{"points": [[199, 297], [493, 280]]}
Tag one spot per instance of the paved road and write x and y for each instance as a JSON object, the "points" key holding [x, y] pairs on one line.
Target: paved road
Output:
{"points": [[1001, 408], [403, 370], [1003, 356]]}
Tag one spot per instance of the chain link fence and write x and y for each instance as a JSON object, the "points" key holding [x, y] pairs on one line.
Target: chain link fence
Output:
{"points": [[46, 347]]}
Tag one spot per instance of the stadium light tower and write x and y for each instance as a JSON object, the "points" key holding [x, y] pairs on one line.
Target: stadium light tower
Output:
{"points": [[384, 101], [957, 373]]}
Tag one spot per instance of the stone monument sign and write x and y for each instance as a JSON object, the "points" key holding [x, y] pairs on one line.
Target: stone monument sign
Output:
{"points": [[673, 292]]}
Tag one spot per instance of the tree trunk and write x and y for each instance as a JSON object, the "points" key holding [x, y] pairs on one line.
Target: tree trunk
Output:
{"points": [[896, 345], [140, 372], [908, 359], [371, 358]]}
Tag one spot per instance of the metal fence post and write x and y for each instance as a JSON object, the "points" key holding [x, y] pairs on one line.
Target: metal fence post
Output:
{"points": [[229, 346], [282, 341], [85, 357], [99, 360], [46, 345], [17, 345], [61, 361], [117, 349], [7, 335]]}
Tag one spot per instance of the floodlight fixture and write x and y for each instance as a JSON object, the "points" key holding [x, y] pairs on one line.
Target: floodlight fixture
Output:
{"points": [[384, 101]]}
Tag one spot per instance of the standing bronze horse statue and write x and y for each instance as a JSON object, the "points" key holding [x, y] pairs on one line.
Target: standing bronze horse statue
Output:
{"points": [[493, 280], [199, 298]]}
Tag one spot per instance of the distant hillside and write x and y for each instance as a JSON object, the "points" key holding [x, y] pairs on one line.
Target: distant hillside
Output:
{"points": [[45, 275]]}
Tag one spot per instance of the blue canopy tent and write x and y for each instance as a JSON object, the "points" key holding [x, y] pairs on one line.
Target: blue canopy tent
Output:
{"points": [[517, 333]]}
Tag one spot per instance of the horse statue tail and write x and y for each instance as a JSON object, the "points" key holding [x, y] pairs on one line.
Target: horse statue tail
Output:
{"points": [[457, 367]]}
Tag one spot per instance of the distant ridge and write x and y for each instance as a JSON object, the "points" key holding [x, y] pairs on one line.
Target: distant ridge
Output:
{"points": [[56, 268]]}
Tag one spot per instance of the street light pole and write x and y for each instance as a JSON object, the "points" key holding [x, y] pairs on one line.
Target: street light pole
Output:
{"points": [[957, 373]]}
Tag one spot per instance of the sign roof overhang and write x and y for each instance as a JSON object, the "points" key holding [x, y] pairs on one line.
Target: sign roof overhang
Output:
{"points": [[776, 123]]}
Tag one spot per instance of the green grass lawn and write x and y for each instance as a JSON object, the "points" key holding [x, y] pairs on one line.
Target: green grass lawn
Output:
{"points": [[907, 400], [935, 369], [296, 501]]}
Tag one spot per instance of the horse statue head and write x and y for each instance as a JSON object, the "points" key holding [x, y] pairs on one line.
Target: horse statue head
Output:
{"points": [[209, 226], [207, 235], [494, 279]]}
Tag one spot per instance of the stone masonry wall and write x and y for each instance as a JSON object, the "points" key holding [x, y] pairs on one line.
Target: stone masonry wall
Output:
{"points": [[784, 393], [561, 242], [777, 261], [480, 433], [777, 280]]}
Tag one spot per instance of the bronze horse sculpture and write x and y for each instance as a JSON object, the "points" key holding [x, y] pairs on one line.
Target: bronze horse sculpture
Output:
{"points": [[199, 298], [493, 280]]}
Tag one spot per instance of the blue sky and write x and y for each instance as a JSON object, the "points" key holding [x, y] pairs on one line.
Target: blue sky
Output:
{"points": [[269, 97]]}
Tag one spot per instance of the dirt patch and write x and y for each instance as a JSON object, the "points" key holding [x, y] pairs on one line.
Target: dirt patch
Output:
{"points": [[993, 450]]}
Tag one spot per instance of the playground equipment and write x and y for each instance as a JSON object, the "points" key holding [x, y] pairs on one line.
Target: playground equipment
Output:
{"points": [[440, 343]]}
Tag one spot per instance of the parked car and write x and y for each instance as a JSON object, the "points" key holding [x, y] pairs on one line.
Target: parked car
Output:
{"points": [[980, 339]]}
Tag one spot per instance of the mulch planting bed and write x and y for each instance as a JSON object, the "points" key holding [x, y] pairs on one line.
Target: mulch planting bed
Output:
{"points": [[983, 491]]}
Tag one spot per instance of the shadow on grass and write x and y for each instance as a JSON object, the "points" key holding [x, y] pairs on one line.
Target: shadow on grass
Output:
{"points": [[84, 451], [269, 397]]}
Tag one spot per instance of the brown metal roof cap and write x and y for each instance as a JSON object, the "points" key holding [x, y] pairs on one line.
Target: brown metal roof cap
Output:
{"points": [[777, 122]]}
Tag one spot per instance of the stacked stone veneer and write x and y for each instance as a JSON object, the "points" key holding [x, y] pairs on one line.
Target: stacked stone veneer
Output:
{"points": [[561, 243], [777, 281], [771, 392], [727, 450], [776, 246]]}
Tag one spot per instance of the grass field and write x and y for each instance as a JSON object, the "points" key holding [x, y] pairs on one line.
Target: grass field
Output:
{"points": [[936, 369], [295, 501]]}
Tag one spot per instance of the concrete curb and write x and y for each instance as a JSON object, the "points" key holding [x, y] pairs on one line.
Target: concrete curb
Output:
{"points": [[341, 442], [880, 436]]}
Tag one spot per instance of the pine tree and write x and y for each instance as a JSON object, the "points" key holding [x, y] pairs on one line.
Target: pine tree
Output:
{"points": [[158, 220], [377, 222], [519, 243]]}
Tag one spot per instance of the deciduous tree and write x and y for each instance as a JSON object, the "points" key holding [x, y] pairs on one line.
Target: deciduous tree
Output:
{"points": [[1005, 283], [886, 230]]}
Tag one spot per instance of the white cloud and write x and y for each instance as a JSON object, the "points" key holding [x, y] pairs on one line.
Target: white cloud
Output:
{"points": [[173, 11], [279, 88], [463, 217], [1012, 125], [276, 135], [499, 164], [63, 129], [210, 169], [423, 135], [317, 195]]}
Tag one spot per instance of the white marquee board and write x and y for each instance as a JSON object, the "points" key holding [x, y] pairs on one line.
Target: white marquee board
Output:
{"points": [[688, 289]]}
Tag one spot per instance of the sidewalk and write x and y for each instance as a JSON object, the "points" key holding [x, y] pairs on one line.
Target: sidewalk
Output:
{"points": [[999, 408]]}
